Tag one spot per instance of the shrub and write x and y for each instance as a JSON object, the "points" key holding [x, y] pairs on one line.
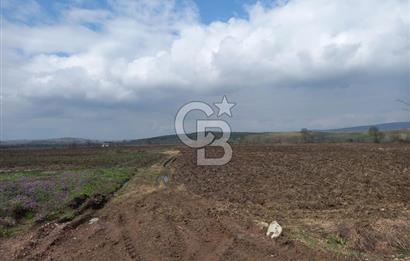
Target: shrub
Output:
{"points": [[21, 207]]}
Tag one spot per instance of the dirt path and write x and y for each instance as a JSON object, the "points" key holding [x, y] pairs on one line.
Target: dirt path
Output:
{"points": [[151, 221]]}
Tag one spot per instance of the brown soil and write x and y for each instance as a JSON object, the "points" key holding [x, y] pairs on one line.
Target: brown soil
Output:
{"points": [[355, 196], [349, 179], [210, 213]]}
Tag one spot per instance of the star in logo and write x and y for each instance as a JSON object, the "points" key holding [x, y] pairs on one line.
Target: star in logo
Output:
{"points": [[225, 107]]}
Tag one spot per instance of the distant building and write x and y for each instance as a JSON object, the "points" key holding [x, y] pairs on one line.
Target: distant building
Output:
{"points": [[105, 145]]}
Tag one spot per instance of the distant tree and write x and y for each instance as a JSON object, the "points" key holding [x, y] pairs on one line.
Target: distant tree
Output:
{"points": [[375, 134], [306, 135]]}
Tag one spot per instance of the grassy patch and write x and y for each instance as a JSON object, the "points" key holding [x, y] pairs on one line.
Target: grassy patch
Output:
{"points": [[14, 176], [309, 240], [336, 242], [11, 231], [329, 242], [41, 195]]}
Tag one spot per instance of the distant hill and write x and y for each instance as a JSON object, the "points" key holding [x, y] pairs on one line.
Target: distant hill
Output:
{"points": [[173, 138], [349, 134], [382, 127], [50, 142], [237, 137]]}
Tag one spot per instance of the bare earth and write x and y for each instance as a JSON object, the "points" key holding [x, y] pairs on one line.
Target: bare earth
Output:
{"points": [[340, 202]]}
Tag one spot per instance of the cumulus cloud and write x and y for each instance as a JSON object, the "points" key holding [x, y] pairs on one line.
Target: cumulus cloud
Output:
{"points": [[141, 45], [133, 49]]}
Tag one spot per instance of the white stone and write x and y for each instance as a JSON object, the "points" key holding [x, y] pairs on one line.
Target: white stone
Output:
{"points": [[274, 230], [93, 220]]}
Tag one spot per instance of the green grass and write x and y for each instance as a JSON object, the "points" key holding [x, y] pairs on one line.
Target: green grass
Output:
{"points": [[336, 242], [44, 195], [105, 181], [14, 176], [90, 182], [329, 242], [308, 239], [6, 232]]}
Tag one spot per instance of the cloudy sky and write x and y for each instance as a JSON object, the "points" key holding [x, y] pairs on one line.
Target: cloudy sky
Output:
{"points": [[117, 69]]}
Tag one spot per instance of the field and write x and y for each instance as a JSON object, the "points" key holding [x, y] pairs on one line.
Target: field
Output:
{"points": [[334, 201], [37, 185], [345, 198]]}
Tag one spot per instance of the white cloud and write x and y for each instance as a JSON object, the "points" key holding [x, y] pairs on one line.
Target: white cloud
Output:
{"points": [[46, 39], [153, 44], [135, 48], [84, 16]]}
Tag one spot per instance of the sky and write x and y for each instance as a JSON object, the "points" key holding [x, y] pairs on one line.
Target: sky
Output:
{"points": [[121, 69]]}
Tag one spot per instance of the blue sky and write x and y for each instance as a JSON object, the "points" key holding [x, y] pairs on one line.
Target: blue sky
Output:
{"points": [[214, 10], [120, 69], [210, 10]]}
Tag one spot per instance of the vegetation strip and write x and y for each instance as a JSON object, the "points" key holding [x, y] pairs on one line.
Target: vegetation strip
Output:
{"points": [[37, 196]]}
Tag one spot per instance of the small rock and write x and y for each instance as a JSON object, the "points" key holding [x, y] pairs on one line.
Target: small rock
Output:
{"points": [[274, 230], [93, 220]]}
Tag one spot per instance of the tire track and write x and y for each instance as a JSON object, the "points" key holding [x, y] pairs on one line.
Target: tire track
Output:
{"points": [[127, 240]]}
